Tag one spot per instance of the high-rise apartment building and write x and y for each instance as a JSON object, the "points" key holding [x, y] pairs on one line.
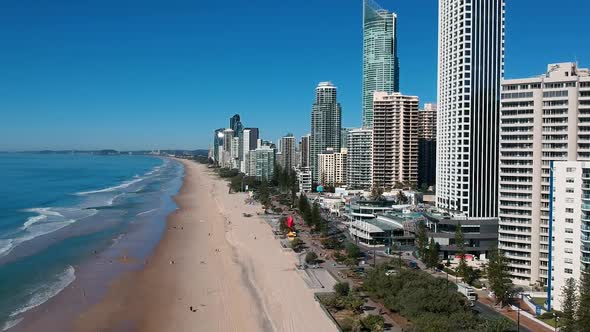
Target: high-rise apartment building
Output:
{"points": [[359, 163], [470, 70], [395, 139], [427, 122], [332, 167], [288, 153], [380, 62], [304, 146], [427, 145], [344, 137], [571, 225], [249, 139], [262, 162], [218, 145], [543, 119], [326, 122], [228, 139]]}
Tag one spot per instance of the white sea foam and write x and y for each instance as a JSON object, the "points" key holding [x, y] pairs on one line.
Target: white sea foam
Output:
{"points": [[112, 200], [109, 189], [33, 220], [48, 211], [11, 323], [146, 212], [42, 293], [48, 221], [5, 246]]}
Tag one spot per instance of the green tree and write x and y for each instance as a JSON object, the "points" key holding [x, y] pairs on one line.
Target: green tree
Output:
{"points": [[376, 193], [583, 310], [283, 228], [373, 323], [303, 203], [296, 244], [353, 251], [422, 240], [401, 198], [499, 277], [264, 193], [307, 217], [342, 288], [570, 302], [432, 256], [462, 269], [316, 217], [311, 257]]}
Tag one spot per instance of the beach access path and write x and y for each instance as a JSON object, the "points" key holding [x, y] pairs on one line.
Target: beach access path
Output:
{"points": [[213, 270]]}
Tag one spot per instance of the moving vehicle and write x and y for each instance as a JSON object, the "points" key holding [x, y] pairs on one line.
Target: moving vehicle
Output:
{"points": [[468, 292]]}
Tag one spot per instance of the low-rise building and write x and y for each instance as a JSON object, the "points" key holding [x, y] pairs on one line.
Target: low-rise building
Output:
{"points": [[480, 234]]}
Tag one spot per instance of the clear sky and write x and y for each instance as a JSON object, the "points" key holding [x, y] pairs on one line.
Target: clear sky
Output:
{"points": [[164, 74]]}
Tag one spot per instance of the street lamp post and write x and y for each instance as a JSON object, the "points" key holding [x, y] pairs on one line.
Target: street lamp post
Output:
{"points": [[518, 317]]}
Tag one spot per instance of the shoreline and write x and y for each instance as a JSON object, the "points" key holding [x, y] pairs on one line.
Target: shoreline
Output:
{"points": [[213, 270], [126, 250]]}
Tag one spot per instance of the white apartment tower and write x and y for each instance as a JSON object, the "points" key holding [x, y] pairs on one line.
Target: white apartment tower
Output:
{"points": [[543, 119], [571, 224], [470, 69], [332, 167], [359, 159], [395, 139]]}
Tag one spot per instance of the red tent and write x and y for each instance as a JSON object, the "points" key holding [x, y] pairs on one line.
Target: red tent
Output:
{"points": [[290, 222]]}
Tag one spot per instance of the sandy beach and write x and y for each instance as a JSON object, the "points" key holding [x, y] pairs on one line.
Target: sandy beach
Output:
{"points": [[213, 270]]}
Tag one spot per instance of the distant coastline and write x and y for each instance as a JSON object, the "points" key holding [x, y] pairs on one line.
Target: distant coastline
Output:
{"points": [[113, 152]]}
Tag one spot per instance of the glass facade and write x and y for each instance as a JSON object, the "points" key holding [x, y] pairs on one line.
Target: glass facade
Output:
{"points": [[380, 62]]}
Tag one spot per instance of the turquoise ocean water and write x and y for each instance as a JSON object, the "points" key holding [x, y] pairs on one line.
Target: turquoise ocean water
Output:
{"points": [[59, 210]]}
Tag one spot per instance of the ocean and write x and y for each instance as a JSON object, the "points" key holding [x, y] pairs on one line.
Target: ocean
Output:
{"points": [[60, 214]]}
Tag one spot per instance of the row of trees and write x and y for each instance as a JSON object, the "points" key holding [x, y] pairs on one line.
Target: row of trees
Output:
{"points": [[429, 252], [311, 214], [575, 316]]}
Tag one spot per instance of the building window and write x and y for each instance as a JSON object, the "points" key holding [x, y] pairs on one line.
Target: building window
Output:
{"points": [[569, 210], [568, 271], [569, 240], [569, 230], [569, 190], [570, 180], [569, 220], [568, 250], [568, 261]]}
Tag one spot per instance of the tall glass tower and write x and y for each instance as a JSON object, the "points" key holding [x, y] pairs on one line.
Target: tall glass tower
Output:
{"points": [[470, 70], [326, 123], [380, 62]]}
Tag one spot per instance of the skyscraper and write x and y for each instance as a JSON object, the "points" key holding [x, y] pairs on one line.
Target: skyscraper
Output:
{"points": [[395, 139], [288, 153], [427, 145], [235, 124], [359, 159], [304, 146], [380, 62], [218, 145], [470, 69], [326, 122], [249, 139]]}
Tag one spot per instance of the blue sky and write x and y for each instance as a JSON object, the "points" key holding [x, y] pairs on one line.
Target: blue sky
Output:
{"points": [[145, 74]]}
